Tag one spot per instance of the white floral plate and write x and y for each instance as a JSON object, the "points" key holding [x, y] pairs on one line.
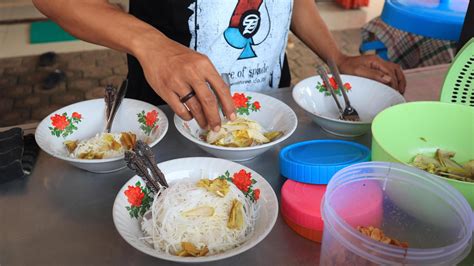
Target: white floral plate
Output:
{"points": [[271, 113], [368, 97], [85, 119], [197, 167]]}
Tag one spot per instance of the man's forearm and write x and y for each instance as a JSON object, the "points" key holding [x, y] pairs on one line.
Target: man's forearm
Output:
{"points": [[99, 22], [307, 25]]}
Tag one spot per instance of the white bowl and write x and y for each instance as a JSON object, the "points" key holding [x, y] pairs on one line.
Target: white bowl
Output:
{"points": [[273, 115], [367, 96], [129, 228], [92, 122]]}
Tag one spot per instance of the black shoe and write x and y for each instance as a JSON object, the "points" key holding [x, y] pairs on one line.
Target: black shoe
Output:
{"points": [[47, 59], [53, 79]]}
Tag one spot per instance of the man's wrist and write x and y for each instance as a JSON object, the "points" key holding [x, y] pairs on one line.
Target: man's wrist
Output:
{"points": [[340, 58], [146, 41]]}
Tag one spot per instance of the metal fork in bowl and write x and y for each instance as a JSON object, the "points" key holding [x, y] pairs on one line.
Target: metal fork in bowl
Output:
{"points": [[349, 113], [324, 76]]}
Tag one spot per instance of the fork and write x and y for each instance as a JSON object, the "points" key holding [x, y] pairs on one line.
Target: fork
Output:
{"points": [[349, 113], [324, 76]]}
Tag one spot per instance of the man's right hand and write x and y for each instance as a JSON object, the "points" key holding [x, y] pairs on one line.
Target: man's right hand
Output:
{"points": [[175, 71], [171, 69]]}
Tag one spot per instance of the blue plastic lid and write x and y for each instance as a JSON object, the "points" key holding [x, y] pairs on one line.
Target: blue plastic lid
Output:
{"points": [[439, 19], [316, 161]]}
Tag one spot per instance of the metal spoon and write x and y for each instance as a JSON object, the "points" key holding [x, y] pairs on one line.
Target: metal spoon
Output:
{"points": [[115, 105], [349, 112], [324, 76], [109, 98], [141, 159]]}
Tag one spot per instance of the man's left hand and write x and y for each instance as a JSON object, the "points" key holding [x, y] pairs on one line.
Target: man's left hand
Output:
{"points": [[373, 67]]}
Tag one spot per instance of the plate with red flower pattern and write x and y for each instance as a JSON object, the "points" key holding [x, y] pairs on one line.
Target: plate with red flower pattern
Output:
{"points": [[86, 119], [134, 199], [270, 113], [368, 97]]}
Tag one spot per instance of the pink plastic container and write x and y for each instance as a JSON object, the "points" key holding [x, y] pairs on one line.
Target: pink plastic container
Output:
{"points": [[301, 207]]}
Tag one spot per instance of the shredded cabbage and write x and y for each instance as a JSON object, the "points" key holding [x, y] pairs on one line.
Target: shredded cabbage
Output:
{"points": [[242, 132], [99, 144]]}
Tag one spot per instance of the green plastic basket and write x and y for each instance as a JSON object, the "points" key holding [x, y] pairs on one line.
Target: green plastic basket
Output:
{"points": [[458, 85]]}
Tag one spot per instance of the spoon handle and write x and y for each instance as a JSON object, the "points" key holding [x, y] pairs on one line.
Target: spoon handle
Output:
{"points": [[335, 73], [109, 98], [116, 104], [324, 76]]}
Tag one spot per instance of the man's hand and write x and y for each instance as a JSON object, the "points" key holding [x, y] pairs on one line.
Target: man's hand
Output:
{"points": [[373, 67], [173, 70], [176, 71], [319, 40]]}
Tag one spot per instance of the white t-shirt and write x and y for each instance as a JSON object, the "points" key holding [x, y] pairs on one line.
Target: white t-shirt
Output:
{"points": [[244, 38]]}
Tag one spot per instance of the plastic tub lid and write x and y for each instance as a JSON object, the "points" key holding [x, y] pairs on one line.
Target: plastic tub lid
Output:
{"points": [[301, 206], [316, 161]]}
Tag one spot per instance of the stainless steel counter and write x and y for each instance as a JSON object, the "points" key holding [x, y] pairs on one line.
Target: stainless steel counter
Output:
{"points": [[62, 215]]}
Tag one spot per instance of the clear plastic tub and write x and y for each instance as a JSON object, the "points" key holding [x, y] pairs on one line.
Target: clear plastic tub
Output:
{"points": [[418, 208]]}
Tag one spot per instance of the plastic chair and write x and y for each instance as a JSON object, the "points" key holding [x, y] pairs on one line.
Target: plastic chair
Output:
{"points": [[458, 86], [376, 46], [437, 19], [441, 19]]}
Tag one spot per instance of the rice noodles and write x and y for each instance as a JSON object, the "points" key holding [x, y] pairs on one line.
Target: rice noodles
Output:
{"points": [[185, 212]]}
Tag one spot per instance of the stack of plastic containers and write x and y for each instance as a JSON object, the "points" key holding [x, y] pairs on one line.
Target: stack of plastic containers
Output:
{"points": [[309, 166]]}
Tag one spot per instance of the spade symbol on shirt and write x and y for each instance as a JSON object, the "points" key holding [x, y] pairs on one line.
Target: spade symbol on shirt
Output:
{"points": [[244, 24]]}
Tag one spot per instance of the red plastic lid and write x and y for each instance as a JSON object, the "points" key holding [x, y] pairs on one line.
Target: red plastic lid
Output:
{"points": [[301, 204]]}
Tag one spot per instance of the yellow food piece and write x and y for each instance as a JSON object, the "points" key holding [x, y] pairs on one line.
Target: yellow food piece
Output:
{"points": [[91, 155], [109, 138], [273, 135], [115, 145], [241, 134], [236, 216], [71, 145], [112, 143], [469, 166], [201, 211], [442, 164], [189, 250], [219, 187], [378, 235], [128, 140]]}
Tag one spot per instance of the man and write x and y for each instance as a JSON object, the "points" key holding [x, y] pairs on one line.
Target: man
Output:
{"points": [[181, 46]]}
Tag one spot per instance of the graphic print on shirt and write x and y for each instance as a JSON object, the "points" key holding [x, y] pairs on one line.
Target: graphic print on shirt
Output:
{"points": [[244, 38], [244, 24]]}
